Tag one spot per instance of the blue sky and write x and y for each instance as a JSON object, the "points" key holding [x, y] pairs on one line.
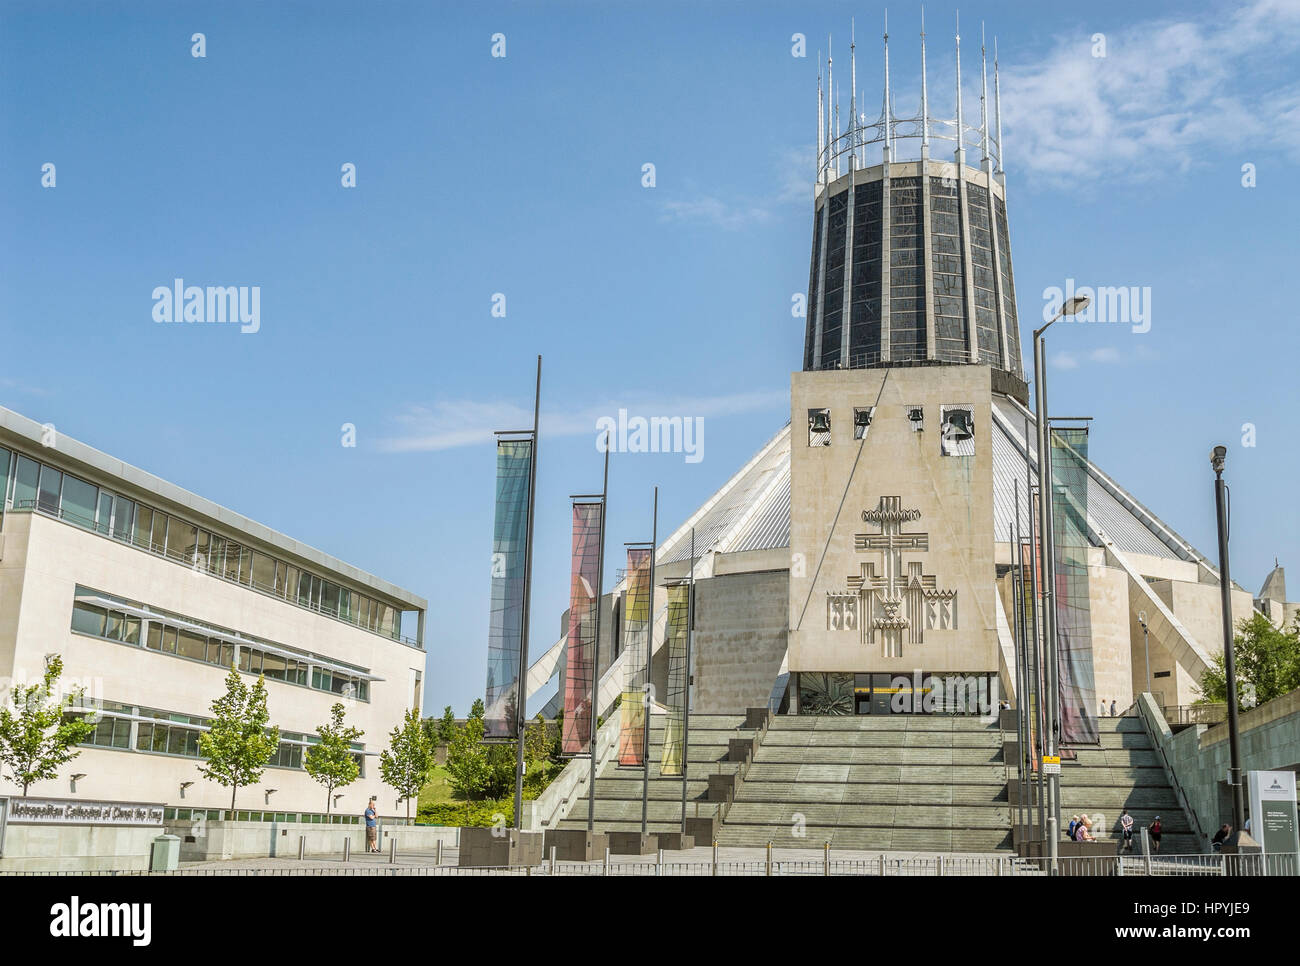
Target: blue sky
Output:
{"points": [[522, 175]]}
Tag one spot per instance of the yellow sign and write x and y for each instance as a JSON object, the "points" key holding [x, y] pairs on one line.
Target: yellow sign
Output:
{"points": [[1051, 759]]}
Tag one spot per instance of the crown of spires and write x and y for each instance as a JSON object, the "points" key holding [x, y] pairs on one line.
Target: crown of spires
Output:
{"points": [[890, 128]]}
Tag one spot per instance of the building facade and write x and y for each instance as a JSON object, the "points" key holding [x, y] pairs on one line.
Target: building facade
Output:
{"points": [[151, 594]]}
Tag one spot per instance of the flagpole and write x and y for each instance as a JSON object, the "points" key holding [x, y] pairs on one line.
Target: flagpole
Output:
{"points": [[649, 649], [686, 686], [595, 658], [521, 704]]}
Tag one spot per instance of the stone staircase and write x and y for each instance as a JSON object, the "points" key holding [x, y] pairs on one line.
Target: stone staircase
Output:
{"points": [[897, 782], [1125, 771], [618, 789]]}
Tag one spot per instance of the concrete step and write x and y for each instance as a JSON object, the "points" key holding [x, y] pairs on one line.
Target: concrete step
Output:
{"points": [[882, 739], [871, 794], [892, 722], [897, 756], [992, 774], [891, 816]]}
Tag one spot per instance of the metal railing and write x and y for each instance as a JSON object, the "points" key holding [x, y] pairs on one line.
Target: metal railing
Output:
{"points": [[913, 357], [1185, 715]]}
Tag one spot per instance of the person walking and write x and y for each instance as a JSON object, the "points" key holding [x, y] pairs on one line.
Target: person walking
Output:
{"points": [[1154, 830], [1113, 712], [372, 827]]}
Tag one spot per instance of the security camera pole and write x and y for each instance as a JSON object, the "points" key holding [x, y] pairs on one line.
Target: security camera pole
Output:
{"points": [[1071, 306]]}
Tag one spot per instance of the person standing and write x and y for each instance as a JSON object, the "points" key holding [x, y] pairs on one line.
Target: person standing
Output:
{"points": [[1113, 712], [1126, 828], [372, 827]]}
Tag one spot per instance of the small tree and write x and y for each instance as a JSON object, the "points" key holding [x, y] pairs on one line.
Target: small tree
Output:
{"points": [[40, 737], [477, 710], [405, 763], [467, 759], [446, 726], [1267, 660], [239, 741], [330, 761]]}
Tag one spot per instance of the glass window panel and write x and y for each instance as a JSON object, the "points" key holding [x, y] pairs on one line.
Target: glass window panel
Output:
{"points": [[104, 511], [202, 544], [160, 737], [329, 602], [217, 555], [144, 737], [390, 625], [245, 565], [26, 475], [4, 472], [121, 733], [304, 589], [154, 637], [47, 498], [286, 580], [263, 571], [132, 635], [78, 501], [158, 539], [354, 606], [176, 740], [143, 525], [192, 743], [169, 640], [316, 584], [245, 659], [192, 644], [232, 561], [181, 540], [123, 511], [273, 666], [113, 625], [87, 619]]}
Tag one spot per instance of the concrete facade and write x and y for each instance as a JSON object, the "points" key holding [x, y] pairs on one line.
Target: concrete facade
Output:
{"points": [[833, 486], [740, 639]]}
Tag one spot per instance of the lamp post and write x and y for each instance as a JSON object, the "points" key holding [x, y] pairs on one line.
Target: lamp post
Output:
{"points": [[1146, 647], [1239, 838], [1071, 306]]}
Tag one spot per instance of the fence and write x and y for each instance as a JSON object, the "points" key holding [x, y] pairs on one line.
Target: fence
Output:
{"points": [[1220, 865]]}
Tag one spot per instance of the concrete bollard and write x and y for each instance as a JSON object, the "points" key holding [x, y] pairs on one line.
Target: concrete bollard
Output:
{"points": [[606, 872], [715, 858], [552, 860], [938, 865], [347, 848], [438, 853], [826, 859], [769, 858], [392, 851], [882, 864], [302, 847], [659, 863]]}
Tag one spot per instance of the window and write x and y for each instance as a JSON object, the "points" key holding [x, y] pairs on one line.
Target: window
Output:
{"points": [[182, 538], [143, 526], [862, 420], [957, 431], [329, 603], [819, 427], [47, 496], [263, 571], [304, 589], [217, 555], [79, 501], [415, 690], [123, 511], [158, 539], [88, 619], [26, 477], [192, 645]]}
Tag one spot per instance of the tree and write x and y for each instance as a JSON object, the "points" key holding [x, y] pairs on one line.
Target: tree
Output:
{"points": [[41, 736], [467, 759], [537, 744], [477, 710], [239, 741], [330, 761], [1267, 661], [446, 726], [405, 763]]}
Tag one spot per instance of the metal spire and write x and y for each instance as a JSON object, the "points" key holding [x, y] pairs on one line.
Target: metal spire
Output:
{"points": [[831, 146], [961, 138], [837, 129], [925, 99], [889, 133], [984, 96], [853, 97], [997, 102], [821, 124]]}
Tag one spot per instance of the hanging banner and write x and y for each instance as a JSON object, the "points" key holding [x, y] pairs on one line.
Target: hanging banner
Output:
{"points": [[675, 642], [636, 636], [1028, 563], [580, 654], [1069, 452], [509, 555]]}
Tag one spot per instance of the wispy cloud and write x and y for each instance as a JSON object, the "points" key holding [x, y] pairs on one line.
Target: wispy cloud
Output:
{"points": [[792, 177], [451, 424], [1165, 89], [13, 385]]}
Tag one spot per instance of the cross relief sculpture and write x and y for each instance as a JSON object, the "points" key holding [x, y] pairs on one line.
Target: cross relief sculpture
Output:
{"points": [[899, 599]]}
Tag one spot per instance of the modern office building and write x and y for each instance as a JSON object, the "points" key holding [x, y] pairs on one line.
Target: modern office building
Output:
{"points": [[151, 593]]}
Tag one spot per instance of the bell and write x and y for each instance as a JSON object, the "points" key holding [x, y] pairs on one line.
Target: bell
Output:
{"points": [[862, 417], [820, 421], [957, 425]]}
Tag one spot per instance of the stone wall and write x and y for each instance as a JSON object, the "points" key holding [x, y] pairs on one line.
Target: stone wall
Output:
{"points": [[740, 639], [77, 848]]}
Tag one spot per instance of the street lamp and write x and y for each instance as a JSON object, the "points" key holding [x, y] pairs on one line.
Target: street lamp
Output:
{"points": [[1146, 649], [1239, 839], [1071, 306]]}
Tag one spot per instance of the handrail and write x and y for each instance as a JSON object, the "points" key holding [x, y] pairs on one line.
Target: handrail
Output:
{"points": [[1183, 802]]}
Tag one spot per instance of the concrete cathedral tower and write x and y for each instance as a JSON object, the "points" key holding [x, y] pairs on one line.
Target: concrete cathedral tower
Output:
{"points": [[911, 334]]}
